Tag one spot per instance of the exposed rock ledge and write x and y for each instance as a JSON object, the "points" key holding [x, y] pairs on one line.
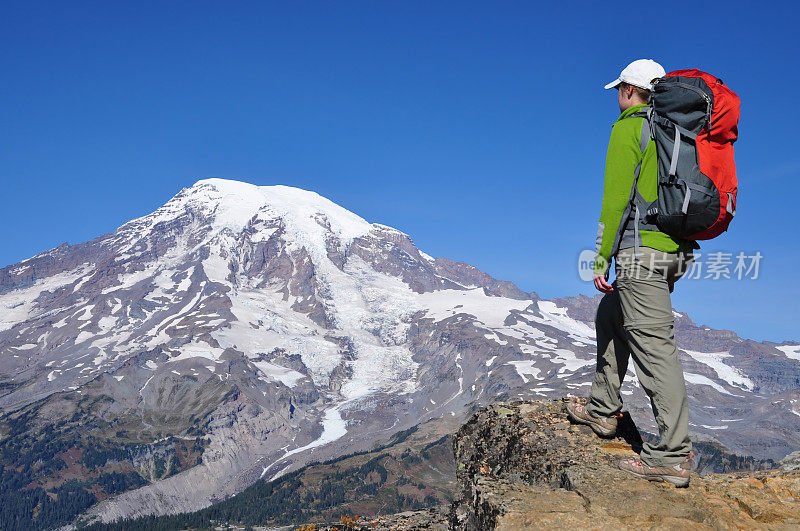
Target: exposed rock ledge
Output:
{"points": [[523, 465]]}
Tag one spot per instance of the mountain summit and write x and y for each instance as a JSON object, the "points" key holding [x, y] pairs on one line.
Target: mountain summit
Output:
{"points": [[242, 331]]}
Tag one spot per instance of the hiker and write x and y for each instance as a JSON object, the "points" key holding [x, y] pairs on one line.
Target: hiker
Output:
{"points": [[635, 317]]}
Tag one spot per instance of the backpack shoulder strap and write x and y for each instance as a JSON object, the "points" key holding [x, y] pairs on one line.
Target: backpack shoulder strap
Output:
{"points": [[636, 203], [639, 205], [632, 210]]}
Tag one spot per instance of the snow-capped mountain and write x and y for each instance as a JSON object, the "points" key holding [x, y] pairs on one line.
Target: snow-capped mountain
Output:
{"points": [[269, 327]]}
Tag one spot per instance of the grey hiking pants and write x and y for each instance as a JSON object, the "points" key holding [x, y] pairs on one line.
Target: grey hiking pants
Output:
{"points": [[636, 320]]}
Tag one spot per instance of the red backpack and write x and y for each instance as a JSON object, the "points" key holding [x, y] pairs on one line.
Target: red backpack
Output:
{"points": [[694, 121]]}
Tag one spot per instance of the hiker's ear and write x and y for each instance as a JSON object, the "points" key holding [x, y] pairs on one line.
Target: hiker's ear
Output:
{"points": [[628, 91]]}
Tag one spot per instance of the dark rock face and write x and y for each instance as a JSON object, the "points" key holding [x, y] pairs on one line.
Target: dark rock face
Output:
{"points": [[523, 465]]}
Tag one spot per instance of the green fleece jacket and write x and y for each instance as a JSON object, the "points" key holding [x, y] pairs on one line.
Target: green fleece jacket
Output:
{"points": [[621, 160]]}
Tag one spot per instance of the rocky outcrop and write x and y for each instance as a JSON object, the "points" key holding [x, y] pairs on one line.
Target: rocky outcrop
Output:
{"points": [[523, 465], [791, 461]]}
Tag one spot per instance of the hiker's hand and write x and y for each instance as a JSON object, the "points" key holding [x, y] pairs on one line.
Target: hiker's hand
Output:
{"points": [[602, 284]]}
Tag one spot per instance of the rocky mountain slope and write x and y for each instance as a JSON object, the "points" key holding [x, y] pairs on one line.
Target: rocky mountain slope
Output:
{"points": [[414, 470], [241, 332]]}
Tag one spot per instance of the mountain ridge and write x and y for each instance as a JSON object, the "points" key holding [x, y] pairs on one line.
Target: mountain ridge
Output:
{"points": [[279, 328]]}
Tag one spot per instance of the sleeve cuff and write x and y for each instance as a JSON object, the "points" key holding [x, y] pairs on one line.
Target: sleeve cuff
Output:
{"points": [[600, 265]]}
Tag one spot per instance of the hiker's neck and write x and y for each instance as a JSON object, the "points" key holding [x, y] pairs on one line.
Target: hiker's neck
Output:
{"points": [[628, 103]]}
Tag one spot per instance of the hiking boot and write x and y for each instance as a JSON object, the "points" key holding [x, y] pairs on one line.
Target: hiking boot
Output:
{"points": [[678, 475], [602, 426]]}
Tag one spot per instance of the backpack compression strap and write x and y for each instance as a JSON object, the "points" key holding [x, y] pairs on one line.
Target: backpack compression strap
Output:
{"points": [[673, 164]]}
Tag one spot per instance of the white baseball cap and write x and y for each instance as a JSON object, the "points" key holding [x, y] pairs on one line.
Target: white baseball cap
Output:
{"points": [[639, 73]]}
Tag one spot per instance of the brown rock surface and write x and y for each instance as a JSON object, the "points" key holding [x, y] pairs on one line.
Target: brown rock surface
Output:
{"points": [[521, 465]]}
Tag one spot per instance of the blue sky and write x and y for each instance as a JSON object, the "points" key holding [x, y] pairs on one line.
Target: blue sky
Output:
{"points": [[479, 128]]}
